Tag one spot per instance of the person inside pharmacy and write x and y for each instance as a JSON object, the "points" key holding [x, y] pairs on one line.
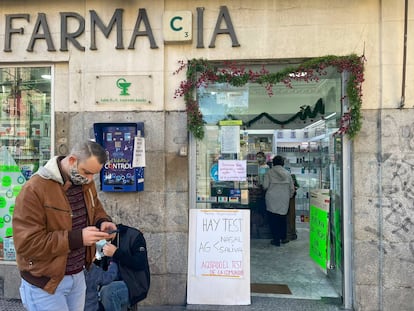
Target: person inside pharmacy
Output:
{"points": [[263, 167], [57, 220], [279, 187]]}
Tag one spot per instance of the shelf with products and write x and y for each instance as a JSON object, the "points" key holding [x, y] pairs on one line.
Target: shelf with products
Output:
{"points": [[305, 160], [26, 156], [27, 141], [16, 138], [252, 142]]}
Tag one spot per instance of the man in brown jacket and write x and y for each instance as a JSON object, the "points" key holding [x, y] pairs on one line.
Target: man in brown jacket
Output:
{"points": [[57, 220]]}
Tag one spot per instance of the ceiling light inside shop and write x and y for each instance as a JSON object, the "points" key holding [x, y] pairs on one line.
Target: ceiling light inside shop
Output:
{"points": [[320, 122], [46, 77], [330, 115]]}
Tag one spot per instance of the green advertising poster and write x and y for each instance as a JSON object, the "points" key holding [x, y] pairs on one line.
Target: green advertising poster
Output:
{"points": [[11, 182], [318, 236], [338, 239]]}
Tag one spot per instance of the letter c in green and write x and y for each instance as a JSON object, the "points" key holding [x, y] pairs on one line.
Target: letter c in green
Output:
{"points": [[172, 23]]}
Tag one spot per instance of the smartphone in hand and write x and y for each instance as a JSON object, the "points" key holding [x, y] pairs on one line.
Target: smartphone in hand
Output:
{"points": [[112, 231]]}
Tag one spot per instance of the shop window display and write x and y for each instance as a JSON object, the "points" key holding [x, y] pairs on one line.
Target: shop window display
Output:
{"points": [[25, 123]]}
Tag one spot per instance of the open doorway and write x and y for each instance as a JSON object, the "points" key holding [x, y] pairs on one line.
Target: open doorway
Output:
{"points": [[298, 123], [300, 268]]}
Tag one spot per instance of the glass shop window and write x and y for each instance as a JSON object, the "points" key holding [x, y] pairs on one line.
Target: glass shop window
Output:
{"points": [[242, 121], [25, 132], [221, 147]]}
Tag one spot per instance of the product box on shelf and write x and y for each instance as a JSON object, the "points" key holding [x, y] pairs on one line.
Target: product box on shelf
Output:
{"points": [[9, 253]]}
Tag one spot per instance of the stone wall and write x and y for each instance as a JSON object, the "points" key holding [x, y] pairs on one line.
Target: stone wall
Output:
{"points": [[384, 211]]}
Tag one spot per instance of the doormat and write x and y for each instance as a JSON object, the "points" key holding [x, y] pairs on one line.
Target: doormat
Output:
{"points": [[270, 288]]}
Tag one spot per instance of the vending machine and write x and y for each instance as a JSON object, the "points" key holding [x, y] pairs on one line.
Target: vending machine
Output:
{"points": [[123, 142]]}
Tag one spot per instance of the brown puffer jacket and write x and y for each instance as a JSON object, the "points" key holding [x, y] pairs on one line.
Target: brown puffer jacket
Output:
{"points": [[42, 224]]}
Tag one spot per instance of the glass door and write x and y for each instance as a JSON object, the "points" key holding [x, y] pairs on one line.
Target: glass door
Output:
{"points": [[326, 205], [335, 268]]}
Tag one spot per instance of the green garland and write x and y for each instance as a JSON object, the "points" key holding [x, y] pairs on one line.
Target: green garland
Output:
{"points": [[201, 72], [303, 114]]}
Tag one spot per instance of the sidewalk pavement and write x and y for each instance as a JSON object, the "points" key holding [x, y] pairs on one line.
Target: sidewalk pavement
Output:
{"points": [[258, 304], [11, 305]]}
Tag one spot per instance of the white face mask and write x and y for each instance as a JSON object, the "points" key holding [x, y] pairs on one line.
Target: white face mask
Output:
{"points": [[76, 178]]}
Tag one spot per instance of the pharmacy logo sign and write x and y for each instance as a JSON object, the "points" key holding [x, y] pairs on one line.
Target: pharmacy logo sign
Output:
{"points": [[122, 84], [125, 89]]}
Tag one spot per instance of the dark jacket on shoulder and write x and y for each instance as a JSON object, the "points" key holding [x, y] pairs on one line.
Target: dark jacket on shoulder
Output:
{"points": [[132, 260]]}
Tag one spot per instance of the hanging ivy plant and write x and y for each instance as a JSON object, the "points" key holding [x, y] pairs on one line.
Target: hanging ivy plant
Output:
{"points": [[201, 73]]}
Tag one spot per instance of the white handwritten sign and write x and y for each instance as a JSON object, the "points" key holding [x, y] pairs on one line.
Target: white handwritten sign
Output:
{"points": [[232, 170], [219, 244], [219, 257], [139, 152]]}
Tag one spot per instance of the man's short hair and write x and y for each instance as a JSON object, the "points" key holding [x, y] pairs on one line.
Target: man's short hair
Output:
{"points": [[85, 150], [278, 160]]}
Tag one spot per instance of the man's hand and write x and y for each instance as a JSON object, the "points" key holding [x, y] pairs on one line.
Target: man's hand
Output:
{"points": [[107, 226], [91, 235]]}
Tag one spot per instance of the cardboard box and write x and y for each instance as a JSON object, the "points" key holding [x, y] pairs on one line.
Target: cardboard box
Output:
{"points": [[9, 252]]}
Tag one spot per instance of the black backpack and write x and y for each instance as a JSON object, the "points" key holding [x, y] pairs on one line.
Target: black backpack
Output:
{"points": [[143, 278]]}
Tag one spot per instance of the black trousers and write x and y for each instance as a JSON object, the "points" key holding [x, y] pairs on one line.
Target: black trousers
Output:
{"points": [[278, 226]]}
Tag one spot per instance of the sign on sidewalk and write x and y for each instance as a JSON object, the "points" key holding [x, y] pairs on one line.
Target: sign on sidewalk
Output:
{"points": [[219, 257]]}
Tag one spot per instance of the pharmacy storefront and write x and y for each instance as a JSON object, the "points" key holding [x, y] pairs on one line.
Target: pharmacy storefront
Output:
{"points": [[199, 92], [302, 121]]}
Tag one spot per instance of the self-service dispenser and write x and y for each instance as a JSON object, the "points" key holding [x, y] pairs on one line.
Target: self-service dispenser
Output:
{"points": [[121, 141]]}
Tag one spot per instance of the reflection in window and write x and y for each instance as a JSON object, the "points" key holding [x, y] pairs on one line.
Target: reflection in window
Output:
{"points": [[25, 115], [24, 134]]}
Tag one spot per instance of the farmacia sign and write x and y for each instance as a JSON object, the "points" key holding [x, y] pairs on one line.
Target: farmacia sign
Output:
{"points": [[41, 30]]}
